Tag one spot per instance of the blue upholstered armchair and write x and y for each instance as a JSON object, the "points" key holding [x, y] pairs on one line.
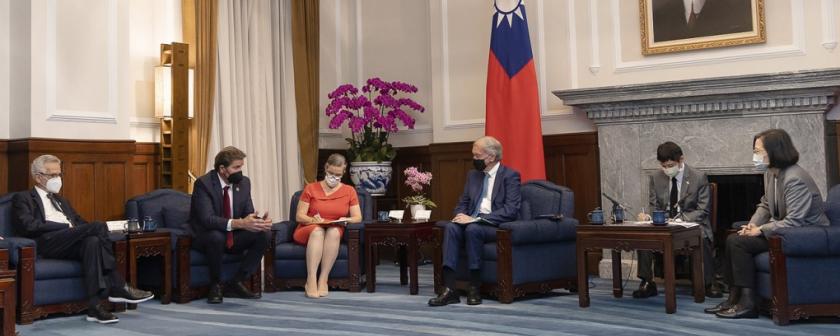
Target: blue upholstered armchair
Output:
{"points": [[798, 277], [45, 286], [529, 254], [285, 261], [191, 278]]}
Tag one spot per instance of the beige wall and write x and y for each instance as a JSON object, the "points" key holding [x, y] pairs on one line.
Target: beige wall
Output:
{"points": [[82, 69], [442, 47]]}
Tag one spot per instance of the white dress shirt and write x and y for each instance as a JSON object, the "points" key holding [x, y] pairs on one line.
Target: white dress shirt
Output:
{"points": [[229, 200], [696, 4], [50, 212], [486, 206]]}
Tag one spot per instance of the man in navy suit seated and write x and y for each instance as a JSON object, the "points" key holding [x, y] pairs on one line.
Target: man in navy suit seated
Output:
{"points": [[223, 221], [491, 197]]}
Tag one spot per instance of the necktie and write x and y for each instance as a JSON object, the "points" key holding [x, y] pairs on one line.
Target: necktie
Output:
{"points": [[692, 18], [55, 202], [674, 197], [227, 213], [776, 202], [477, 207]]}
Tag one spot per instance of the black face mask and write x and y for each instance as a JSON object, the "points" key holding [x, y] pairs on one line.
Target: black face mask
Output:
{"points": [[479, 164], [235, 178]]}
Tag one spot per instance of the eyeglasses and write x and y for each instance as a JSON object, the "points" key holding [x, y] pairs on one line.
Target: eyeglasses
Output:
{"points": [[51, 175]]}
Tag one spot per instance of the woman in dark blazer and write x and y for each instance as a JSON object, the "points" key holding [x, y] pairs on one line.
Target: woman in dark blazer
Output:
{"points": [[791, 199]]}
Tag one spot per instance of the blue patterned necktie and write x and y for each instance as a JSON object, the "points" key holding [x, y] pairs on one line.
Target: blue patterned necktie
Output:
{"points": [[481, 195]]}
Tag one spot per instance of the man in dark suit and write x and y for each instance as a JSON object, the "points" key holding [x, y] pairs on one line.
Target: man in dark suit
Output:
{"points": [[683, 19], [223, 221], [683, 192], [491, 197], [60, 233]]}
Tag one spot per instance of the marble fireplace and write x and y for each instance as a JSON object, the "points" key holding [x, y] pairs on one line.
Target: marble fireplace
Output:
{"points": [[713, 120]]}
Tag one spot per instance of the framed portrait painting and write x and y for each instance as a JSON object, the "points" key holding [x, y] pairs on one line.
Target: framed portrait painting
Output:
{"points": [[680, 25]]}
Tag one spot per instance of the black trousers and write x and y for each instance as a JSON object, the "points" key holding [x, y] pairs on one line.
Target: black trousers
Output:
{"points": [[648, 260], [212, 244], [739, 266], [90, 245]]}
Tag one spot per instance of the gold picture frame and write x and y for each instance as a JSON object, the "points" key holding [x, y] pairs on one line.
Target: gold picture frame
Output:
{"points": [[667, 26]]}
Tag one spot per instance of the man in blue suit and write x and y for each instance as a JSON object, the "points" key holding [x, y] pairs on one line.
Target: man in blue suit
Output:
{"points": [[491, 197], [223, 221]]}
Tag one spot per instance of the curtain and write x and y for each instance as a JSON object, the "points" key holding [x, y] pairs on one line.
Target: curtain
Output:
{"points": [[201, 18], [254, 108], [305, 48]]}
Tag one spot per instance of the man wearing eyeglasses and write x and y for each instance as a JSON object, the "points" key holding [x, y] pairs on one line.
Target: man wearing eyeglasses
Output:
{"points": [[60, 233]]}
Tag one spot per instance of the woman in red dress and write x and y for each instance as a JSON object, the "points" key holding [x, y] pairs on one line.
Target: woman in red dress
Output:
{"points": [[320, 203]]}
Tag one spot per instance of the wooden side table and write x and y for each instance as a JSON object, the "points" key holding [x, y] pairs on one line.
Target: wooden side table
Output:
{"points": [[151, 244], [7, 295], [669, 240], [408, 236]]}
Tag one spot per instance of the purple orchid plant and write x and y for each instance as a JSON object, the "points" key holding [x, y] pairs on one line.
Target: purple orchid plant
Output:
{"points": [[372, 114], [416, 179]]}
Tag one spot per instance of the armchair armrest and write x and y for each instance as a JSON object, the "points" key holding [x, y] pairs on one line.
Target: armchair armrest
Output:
{"points": [[15, 244], [811, 241], [541, 230], [282, 232]]}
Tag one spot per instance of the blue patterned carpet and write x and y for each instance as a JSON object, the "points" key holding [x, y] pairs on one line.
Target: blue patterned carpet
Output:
{"points": [[391, 311]]}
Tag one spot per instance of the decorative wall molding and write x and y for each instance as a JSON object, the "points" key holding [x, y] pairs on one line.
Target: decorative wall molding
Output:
{"points": [[55, 114], [796, 48], [144, 122], [595, 61], [571, 23], [339, 71], [360, 74], [782, 93], [829, 23]]}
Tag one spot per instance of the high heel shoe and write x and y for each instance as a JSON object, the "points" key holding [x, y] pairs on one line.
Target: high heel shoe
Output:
{"points": [[324, 292], [311, 295]]}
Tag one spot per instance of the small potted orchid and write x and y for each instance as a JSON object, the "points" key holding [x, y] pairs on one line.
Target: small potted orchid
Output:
{"points": [[372, 114], [416, 179]]}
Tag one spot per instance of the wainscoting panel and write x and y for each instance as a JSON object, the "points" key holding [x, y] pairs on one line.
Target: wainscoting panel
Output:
{"points": [[4, 163], [99, 175]]}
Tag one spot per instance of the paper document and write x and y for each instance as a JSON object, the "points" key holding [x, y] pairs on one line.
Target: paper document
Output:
{"points": [[118, 225]]}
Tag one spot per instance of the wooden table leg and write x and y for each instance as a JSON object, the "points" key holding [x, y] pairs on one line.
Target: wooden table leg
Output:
{"points": [[670, 292], [370, 271], [413, 286], [401, 255], [7, 290], [616, 274], [697, 274], [166, 298], [583, 283]]}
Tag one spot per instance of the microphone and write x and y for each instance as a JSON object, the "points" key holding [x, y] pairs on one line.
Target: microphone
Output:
{"points": [[615, 202]]}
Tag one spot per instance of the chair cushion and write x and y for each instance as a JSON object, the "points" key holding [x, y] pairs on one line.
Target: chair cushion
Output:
{"points": [[541, 230], [198, 259], [810, 241], [176, 217], [57, 269], [832, 206], [762, 262]]}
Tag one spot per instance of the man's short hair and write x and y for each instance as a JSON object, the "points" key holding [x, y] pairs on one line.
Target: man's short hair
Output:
{"points": [[491, 146], [781, 153], [39, 162], [226, 157], [668, 151], [335, 160]]}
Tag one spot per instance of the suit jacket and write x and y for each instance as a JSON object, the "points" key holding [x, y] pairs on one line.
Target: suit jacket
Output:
{"points": [[799, 201], [694, 198], [206, 204], [715, 18], [30, 222], [505, 199]]}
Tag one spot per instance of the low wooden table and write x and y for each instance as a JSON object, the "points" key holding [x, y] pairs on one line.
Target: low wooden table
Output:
{"points": [[669, 240], [408, 237], [151, 244]]}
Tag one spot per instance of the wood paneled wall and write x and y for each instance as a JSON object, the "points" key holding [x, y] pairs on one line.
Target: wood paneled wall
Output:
{"points": [[571, 161], [4, 171], [99, 175]]}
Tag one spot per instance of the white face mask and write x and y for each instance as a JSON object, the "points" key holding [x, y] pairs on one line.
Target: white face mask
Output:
{"points": [[671, 171], [758, 162], [54, 185], [332, 181]]}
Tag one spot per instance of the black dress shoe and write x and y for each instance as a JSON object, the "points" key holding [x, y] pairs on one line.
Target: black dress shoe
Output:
{"points": [[719, 307], [99, 314], [713, 291], [737, 312], [646, 290], [128, 294], [473, 296], [238, 290], [448, 296], [214, 295]]}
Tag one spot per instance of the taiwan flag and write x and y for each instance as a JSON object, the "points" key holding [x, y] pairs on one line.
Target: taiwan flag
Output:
{"points": [[513, 101]]}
